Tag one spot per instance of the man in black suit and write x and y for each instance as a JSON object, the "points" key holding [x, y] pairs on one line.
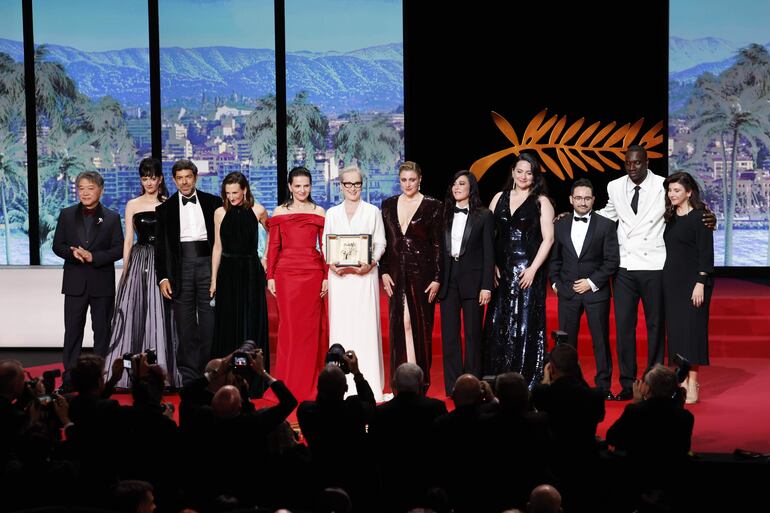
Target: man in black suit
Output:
{"points": [[184, 238], [467, 276], [90, 240], [585, 254]]}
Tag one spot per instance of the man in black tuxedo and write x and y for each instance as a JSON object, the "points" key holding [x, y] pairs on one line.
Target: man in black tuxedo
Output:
{"points": [[585, 254], [90, 240], [467, 276], [184, 238]]}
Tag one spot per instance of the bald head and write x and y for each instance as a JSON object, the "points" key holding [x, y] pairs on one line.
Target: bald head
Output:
{"points": [[332, 383], [467, 391], [408, 378], [544, 499], [227, 402]]}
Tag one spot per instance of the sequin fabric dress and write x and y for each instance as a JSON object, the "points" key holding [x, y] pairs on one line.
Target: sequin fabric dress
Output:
{"points": [[514, 330]]}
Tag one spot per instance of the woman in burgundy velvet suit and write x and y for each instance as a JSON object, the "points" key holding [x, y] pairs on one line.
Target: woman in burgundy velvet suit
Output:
{"points": [[411, 269]]}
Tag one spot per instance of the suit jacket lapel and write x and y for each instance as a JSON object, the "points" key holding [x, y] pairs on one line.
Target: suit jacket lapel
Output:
{"points": [[80, 224], [467, 232], [173, 227], [589, 235], [97, 225], [565, 234]]}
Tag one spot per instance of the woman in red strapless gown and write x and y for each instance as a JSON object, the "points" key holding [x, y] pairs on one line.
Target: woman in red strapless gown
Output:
{"points": [[296, 277]]}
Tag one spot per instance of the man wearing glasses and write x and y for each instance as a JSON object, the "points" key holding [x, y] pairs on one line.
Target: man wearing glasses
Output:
{"points": [[585, 254]]}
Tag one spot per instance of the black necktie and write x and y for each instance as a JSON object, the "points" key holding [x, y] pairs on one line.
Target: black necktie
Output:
{"points": [[194, 199], [584, 219], [635, 199], [459, 210], [89, 212]]}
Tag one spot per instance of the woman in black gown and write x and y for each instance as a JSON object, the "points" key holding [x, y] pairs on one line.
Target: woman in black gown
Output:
{"points": [[687, 283], [514, 329], [237, 276], [142, 320]]}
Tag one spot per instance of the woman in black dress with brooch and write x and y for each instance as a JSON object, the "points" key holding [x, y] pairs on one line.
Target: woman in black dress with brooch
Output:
{"points": [[687, 284], [237, 277], [142, 320], [514, 330]]}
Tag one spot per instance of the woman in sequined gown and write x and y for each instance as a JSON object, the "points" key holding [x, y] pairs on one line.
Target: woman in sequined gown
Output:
{"points": [[514, 330], [142, 319], [411, 269], [237, 277]]}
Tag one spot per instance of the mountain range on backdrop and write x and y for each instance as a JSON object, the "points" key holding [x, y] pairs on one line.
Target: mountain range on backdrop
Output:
{"points": [[690, 58], [368, 79]]}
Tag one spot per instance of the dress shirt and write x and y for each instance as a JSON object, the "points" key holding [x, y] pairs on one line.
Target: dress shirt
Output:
{"points": [[458, 228], [192, 226], [578, 236], [644, 190]]}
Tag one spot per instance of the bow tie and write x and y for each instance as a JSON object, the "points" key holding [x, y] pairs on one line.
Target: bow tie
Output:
{"points": [[584, 219], [89, 212], [191, 199], [459, 210]]}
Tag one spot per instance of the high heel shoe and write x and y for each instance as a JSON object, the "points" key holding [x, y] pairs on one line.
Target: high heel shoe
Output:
{"points": [[693, 388]]}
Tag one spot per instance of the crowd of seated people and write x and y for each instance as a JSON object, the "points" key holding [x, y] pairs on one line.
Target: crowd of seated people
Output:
{"points": [[499, 449]]}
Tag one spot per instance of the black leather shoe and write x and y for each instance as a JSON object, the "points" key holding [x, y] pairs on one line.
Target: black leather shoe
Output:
{"points": [[625, 395], [608, 395]]}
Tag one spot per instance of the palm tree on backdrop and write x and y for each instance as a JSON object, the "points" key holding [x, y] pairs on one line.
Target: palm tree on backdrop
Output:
{"points": [[374, 144], [12, 155], [735, 107], [260, 130], [111, 139], [306, 129]]}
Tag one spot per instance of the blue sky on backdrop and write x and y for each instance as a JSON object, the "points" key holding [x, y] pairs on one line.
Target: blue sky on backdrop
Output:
{"points": [[316, 25], [741, 21]]}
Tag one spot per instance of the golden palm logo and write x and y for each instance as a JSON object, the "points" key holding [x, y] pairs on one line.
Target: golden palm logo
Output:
{"points": [[593, 147]]}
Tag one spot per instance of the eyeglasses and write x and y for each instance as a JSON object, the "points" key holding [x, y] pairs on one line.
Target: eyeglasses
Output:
{"points": [[582, 198], [351, 185]]}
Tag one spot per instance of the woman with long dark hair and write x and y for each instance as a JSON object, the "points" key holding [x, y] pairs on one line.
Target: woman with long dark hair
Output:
{"points": [[142, 320], [687, 283], [411, 269], [467, 276], [237, 277], [514, 330], [296, 276]]}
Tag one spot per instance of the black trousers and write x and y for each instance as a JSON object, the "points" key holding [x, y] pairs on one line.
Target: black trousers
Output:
{"points": [[194, 317], [75, 308], [473, 316], [630, 287], [598, 316]]}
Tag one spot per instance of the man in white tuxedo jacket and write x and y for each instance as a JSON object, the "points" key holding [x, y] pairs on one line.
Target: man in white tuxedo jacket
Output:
{"points": [[637, 202]]}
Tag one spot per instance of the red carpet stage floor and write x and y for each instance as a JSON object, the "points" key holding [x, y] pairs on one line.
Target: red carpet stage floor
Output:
{"points": [[734, 411]]}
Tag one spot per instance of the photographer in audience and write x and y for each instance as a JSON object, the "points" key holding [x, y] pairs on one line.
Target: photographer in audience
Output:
{"points": [[654, 432], [333, 425], [401, 430], [236, 369], [574, 411], [227, 420], [457, 443]]}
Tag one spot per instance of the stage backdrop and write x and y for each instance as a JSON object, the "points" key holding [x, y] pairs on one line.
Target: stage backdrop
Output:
{"points": [[719, 124], [602, 63]]}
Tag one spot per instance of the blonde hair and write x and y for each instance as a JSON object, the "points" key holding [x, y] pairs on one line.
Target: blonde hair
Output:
{"points": [[409, 165], [351, 169]]}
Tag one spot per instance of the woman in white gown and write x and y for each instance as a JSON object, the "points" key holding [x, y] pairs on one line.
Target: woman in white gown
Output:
{"points": [[354, 292]]}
